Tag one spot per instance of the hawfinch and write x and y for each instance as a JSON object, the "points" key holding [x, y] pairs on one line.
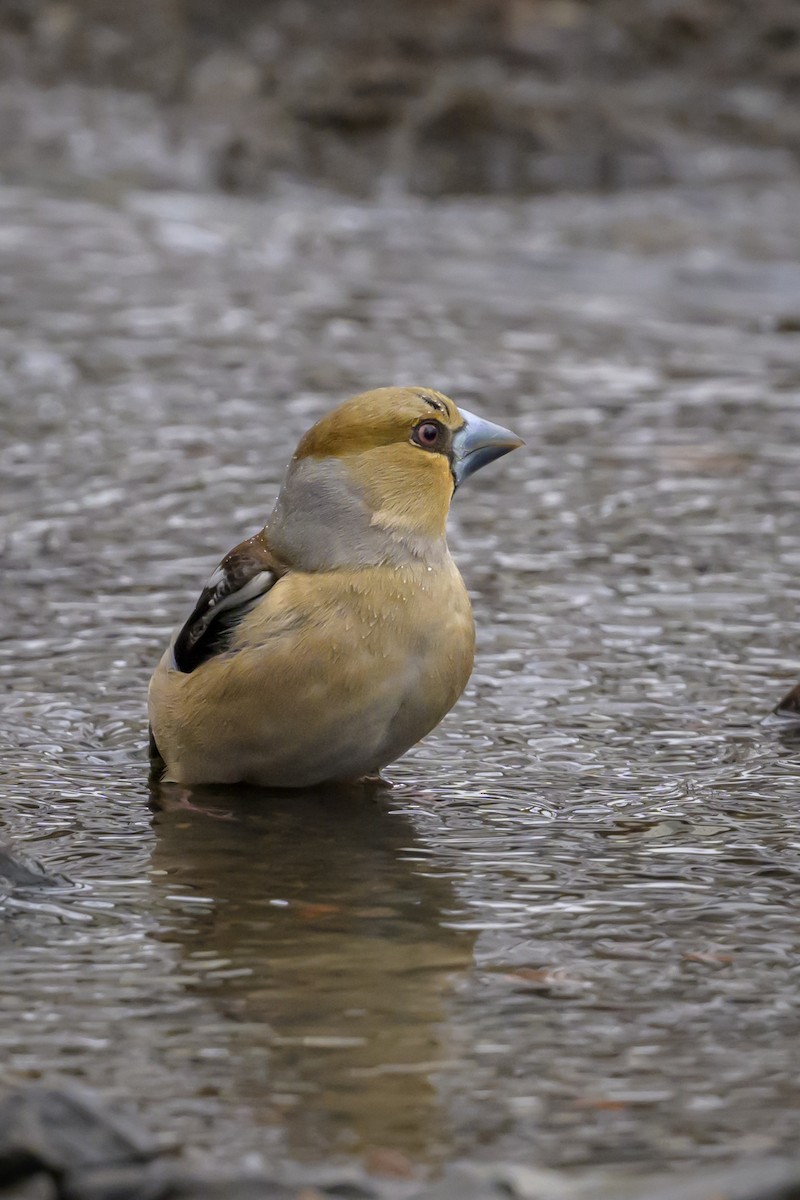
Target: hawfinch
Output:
{"points": [[329, 643]]}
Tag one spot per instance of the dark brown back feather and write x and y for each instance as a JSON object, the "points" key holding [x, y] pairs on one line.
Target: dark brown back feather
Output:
{"points": [[241, 579]]}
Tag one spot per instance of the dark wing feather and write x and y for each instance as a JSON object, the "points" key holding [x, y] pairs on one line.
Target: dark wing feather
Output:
{"points": [[789, 706], [154, 754], [242, 578]]}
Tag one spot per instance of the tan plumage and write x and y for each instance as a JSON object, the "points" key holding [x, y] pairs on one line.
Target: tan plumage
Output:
{"points": [[330, 643]]}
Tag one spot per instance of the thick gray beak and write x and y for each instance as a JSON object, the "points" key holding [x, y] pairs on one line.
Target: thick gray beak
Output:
{"points": [[477, 443]]}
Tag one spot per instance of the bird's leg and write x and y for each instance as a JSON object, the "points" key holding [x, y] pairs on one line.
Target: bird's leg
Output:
{"points": [[216, 814]]}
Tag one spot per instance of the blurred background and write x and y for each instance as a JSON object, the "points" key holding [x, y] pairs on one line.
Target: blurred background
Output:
{"points": [[569, 936], [427, 96]]}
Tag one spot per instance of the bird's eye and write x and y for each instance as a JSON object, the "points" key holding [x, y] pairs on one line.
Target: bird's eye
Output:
{"points": [[427, 434]]}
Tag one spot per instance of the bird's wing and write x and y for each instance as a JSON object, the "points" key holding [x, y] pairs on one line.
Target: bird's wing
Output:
{"points": [[240, 580], [789, 706]]}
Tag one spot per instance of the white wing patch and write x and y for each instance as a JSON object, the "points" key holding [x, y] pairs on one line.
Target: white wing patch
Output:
{"points": [[203, 634]]}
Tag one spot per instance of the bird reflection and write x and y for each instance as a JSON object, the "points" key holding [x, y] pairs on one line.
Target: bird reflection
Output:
{"points": [[339, 961]]}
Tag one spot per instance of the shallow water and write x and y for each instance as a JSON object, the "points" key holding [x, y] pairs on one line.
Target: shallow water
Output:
{"points": [[569, 935]]}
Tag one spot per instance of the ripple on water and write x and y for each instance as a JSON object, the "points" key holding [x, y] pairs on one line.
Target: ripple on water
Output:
{"points": [[569, 935]]}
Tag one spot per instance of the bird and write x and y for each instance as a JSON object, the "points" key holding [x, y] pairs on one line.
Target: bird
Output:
{"points": [[328, 644]]}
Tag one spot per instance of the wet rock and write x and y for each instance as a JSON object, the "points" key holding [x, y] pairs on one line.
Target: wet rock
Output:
{"points": [[65, 1144], [766, 1179], [756, 1180], [494, 1182], [159, 1181], [21, 874], [37, 1187], [58, 1130]]}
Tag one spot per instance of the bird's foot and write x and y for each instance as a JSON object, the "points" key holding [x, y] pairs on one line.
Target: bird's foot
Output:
{"points": [[217, 814]]}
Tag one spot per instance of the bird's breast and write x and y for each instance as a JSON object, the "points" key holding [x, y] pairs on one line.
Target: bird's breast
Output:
{"points": [[426, 640], [332, 675]]}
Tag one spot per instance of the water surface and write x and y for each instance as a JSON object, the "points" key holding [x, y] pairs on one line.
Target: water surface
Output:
{"points": [[569, 935]]}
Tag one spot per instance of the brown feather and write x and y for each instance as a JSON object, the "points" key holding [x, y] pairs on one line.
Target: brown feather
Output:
{"points": [[223, 600]]}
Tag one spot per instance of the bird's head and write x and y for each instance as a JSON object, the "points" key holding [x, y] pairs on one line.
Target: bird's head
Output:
{"points": [[380, 470]]}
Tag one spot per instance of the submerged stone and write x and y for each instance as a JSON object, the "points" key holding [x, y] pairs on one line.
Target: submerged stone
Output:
{"points": [[56, 1130]]}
